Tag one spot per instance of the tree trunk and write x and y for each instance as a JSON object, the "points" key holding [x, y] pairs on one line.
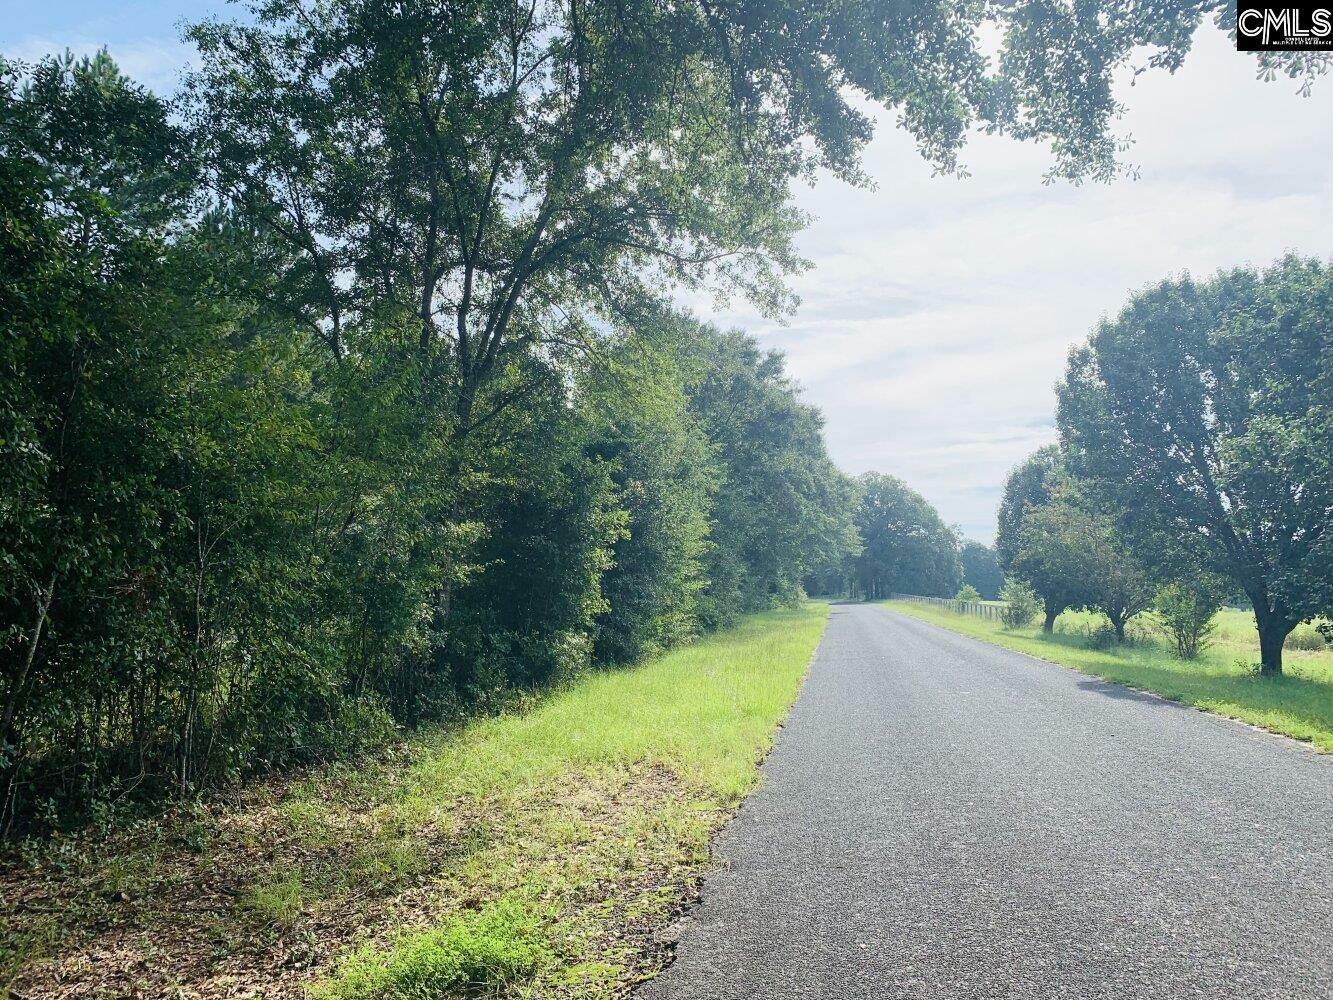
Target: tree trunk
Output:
{"points": [[1048, 626], [1119, 625], [1272, 633], [16, 690]]}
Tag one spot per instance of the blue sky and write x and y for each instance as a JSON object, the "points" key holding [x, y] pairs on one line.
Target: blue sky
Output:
{"points": [[939, 311], [143, 35]]}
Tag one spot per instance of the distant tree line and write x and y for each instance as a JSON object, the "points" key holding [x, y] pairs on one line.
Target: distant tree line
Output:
{"points": [[903, 546], [343, 392], [1195, 463]]}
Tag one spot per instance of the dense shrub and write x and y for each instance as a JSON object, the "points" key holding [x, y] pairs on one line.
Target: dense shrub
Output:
{"points": [[1021, 604], [1305, 637]]}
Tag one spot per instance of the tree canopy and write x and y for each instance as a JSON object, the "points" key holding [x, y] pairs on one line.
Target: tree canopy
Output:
{"points": [[1202, 412], [1030, 484], [906, 547]]}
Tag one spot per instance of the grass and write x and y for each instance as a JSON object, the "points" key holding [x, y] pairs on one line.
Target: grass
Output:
{"points": [[277, 899], [1223, 680], [485, 954], [531, 854]]}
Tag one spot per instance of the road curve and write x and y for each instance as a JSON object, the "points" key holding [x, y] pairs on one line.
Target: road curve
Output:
{"points": [[946, 818]]}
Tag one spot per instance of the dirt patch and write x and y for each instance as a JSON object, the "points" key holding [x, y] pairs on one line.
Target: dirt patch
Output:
{"points": [[260, 897]]}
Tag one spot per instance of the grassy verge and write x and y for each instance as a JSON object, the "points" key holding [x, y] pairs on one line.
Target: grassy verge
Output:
{"points": [[1222, 680], [537, 854]]}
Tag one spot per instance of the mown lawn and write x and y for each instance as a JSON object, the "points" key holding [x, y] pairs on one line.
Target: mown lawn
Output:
{"points": [[1223, 680], [532, 854]]}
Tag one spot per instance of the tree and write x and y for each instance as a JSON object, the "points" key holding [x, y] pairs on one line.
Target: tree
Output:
{"points": [[1054, 558], [1075, 557], [968, 593], [1029, 485], [438, 191], [1188, 610], [782, 507], [553, 514], [1119, 585], [485, 176], [906, 547], [1202, 411], [92, 175], [636, 400], [981, 569], [1021, 604]]}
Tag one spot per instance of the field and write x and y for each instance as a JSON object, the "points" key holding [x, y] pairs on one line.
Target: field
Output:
{"points": [[1222, 680], [543, 852]]}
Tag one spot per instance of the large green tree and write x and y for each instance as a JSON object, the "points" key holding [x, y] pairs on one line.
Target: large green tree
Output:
{"points": [[1076, 556], [90, 174], [485, 175], [906, 546], [1053, 556], [636, 399], [1202, 412], [1031, 484], [782, 507], [171, 497]]}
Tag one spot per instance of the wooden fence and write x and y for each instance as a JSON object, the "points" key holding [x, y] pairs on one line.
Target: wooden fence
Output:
{"points": [[990, 610]]}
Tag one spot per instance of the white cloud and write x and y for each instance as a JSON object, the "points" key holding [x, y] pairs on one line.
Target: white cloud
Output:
{"points": [[156, 63], [940, 310]]}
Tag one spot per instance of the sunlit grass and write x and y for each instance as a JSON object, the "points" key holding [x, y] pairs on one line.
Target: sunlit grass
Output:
{"points": [[475, 955], [596, 807], [1223, 680]]}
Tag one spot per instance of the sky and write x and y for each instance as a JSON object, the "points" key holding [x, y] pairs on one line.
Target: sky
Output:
{"points": [[939, 310]]}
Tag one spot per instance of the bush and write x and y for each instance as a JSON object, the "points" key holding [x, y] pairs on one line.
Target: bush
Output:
{"points": [[1102, 636], [1021, 604], [1306, 637], [1187, 610], [968, 593]]}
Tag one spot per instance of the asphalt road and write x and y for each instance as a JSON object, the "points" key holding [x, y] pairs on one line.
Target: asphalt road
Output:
{"points": [[944, 818]]}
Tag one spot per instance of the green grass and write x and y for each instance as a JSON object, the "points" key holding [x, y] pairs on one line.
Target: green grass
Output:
{"points": [[535, 853], [477, 955], [1222, 680], [595, 804], [276, 900]]}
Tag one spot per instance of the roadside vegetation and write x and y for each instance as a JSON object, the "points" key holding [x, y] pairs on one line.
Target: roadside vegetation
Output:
{"points": [[346, 401], [232, 542], [1195, 465], [1224, 678], [547, 848], [344, 391]]}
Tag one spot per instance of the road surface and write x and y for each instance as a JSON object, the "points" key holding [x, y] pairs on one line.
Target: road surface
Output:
{"points": [[945, 818]]}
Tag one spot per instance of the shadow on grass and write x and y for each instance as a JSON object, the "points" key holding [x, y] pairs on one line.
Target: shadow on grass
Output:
{"points": [[1293, 704]]}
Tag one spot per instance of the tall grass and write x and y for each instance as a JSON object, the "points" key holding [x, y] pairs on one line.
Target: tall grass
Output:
{"points": [[535, 853]]}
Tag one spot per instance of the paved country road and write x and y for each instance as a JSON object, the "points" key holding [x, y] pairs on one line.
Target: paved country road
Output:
{"points": [[945, 818]]}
